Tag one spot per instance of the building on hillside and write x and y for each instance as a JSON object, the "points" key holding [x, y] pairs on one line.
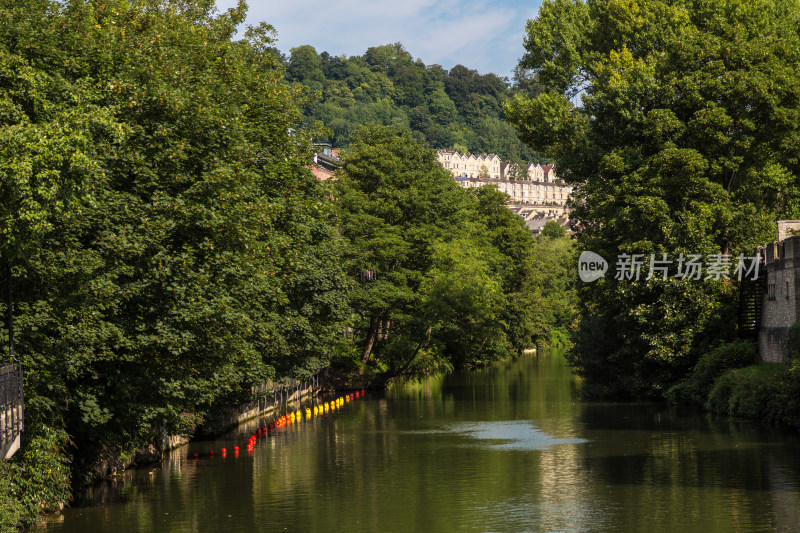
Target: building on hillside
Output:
{"points": [[326, 161], [550, 196], [540, 186], [470, 165]]}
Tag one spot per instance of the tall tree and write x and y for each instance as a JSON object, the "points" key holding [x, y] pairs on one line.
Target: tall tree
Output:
{"points": [[207, 259], [397, 202], [686, 142]]}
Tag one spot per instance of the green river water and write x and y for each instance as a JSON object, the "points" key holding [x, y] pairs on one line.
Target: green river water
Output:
{"points": [[505, 448]]}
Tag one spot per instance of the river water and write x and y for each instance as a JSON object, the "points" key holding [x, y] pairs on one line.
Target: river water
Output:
{"points": [[510, 448]]}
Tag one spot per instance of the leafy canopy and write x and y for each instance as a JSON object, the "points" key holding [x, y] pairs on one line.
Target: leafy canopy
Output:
{"points": [[686, 141]]}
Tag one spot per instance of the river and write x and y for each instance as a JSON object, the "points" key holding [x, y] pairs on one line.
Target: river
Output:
{"points": [[510, 448]]}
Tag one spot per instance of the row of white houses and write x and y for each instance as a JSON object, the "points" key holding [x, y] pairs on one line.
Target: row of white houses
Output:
{"points": [[537, 185]]}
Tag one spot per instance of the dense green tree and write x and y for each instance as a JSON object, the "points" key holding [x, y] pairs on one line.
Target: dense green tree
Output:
{"points": [[305, 66], [205, 259], [387, 86], [397, 202], [686, 142], [550, 282], [554, 230], [441, 271]]}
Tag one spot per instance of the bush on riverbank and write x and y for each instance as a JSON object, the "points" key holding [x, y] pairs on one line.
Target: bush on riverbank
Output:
{"points": [[36, 479], [728, 381], [10, 509], [697, 386], [747, 392]]}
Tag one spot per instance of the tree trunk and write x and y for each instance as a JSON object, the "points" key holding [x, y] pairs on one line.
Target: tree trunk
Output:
{"points": [[374, 322], [421, 346]]}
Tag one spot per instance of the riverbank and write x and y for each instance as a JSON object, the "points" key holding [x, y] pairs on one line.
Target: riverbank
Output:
{"points": [[731, 381]]}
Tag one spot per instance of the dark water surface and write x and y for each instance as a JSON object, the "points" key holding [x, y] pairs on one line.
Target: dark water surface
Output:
{"points": [[506, 448]]}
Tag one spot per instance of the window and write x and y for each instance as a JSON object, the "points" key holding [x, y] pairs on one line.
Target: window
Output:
{"points": [[771, 290]]}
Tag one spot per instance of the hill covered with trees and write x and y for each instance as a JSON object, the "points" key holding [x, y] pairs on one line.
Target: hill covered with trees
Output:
{"points": [[459, 108]]}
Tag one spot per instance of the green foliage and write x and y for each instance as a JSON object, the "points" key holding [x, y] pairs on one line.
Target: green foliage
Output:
{"points": [[38, 476], [206, 257], [727, 381], [554, 230], [559, 338], [697, 386], [685, 142], [440, 270], [10, 509], [386, 86], [550, 285], [747, 392], [768, 392], [346, 357]]}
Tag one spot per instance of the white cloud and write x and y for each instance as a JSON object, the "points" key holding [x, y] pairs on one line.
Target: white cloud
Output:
{"points": [[479, 34]]}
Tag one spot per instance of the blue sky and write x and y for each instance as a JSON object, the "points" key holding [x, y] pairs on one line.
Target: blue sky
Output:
{"points": [[480, 34]]}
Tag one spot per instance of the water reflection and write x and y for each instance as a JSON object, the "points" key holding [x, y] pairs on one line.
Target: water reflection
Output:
{"points": [[505, 448], [512, 435]]}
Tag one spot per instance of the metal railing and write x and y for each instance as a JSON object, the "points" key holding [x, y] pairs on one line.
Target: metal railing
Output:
{"points": [[274, 393], [11, 408]]}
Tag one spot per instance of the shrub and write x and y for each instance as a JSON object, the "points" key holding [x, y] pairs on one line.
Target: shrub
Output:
{"points": [[559, 338], [784, 406], [10, 509], [746, 392], [346, 357], [697, 386], [38, 475]]}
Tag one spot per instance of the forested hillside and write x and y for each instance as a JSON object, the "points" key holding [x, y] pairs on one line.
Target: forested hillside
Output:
{"points": [[459, 109]]}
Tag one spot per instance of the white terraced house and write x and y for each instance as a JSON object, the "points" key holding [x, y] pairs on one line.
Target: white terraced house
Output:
{"points": [[539, 187]]}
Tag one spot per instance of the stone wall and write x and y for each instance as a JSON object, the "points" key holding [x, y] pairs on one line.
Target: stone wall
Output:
{"points": [[788, 228], [781, 307]]}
